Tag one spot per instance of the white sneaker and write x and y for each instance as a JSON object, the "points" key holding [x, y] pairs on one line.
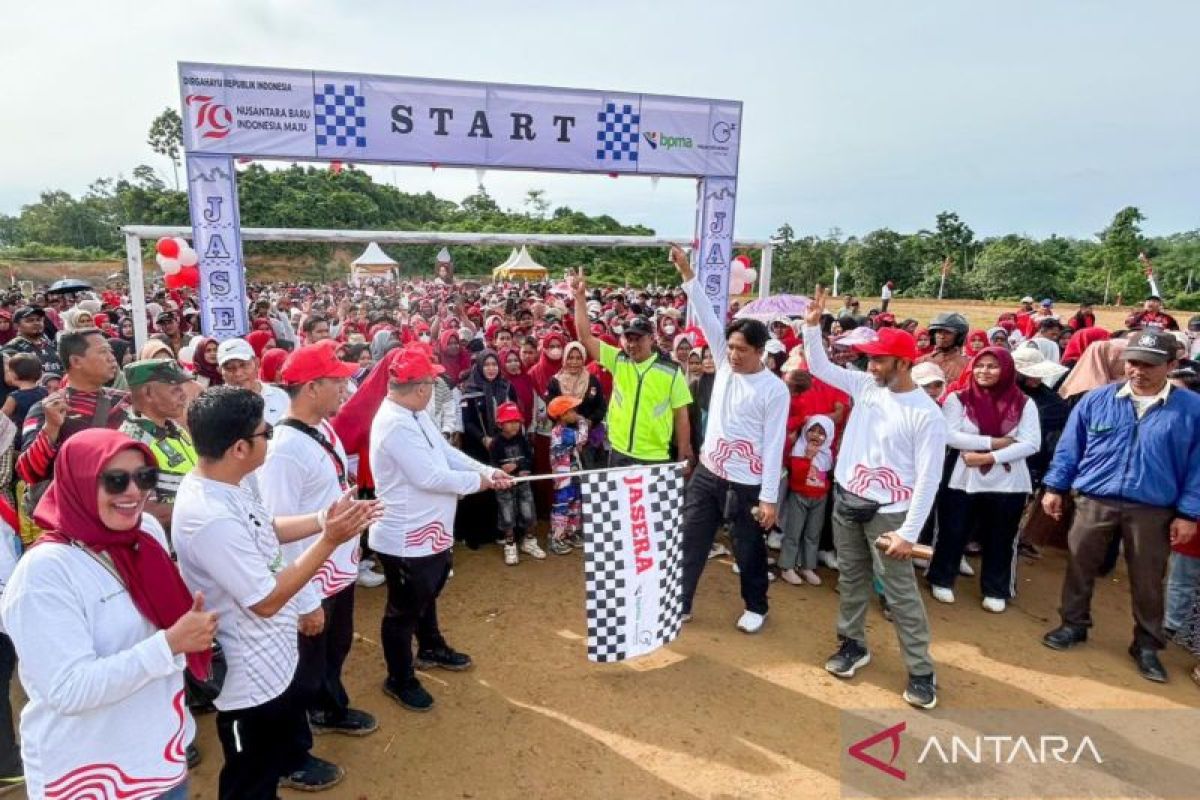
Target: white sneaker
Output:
{"points": [[750, 622], [718, 550], [996, 605], [775, 540], [792, 577], [369, 579], [510, 554], [367, 563], [529, 546], [965, 568], [827, 558], [942, 594], [813, 578]]}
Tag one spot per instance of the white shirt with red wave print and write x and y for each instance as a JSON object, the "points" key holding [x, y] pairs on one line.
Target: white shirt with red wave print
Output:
{"points": [[747, 415], [419, 477], [106, 716], [300, 477], [894, 444]]}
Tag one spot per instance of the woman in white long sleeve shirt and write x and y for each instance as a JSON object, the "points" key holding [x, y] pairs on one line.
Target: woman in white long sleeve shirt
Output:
{"points": [[102, 622], [995, 428]]}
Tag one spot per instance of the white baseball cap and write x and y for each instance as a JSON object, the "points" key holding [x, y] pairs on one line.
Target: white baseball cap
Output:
{"points": [[234, 350], [1027, 299], [1030, 362], [926, 373]]}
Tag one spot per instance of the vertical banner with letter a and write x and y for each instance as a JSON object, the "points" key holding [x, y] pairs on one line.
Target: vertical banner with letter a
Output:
{"points": [[634, 560], [216, 238], [714, 240]]}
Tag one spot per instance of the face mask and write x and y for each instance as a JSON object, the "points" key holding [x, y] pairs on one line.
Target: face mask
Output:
{"points": [[424, 337], [618, 330], [668, 329], [554, 353]]}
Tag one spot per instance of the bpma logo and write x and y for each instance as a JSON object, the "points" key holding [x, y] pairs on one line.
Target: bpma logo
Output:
{"points": [[656, 139]]}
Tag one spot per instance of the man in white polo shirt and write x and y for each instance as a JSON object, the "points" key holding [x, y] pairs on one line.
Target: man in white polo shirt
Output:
{"points": [[229, 547], [239, 367], [419, 477], [886, 480], [307, 470]]}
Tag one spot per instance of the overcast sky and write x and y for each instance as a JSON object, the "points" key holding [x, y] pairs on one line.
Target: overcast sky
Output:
{"points": [[1038, 117]]}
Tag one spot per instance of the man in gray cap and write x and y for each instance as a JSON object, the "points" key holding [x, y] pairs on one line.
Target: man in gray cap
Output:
{"points": [[1129, 454]]}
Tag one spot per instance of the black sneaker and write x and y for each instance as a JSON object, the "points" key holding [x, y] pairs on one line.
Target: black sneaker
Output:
{"points": [[848, 659], [445, 657], [1064, 636], [921, 691], [411, 695], [351, 723], [192, 753], [316, 775]]}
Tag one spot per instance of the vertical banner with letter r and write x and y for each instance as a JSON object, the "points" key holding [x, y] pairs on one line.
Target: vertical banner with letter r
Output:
{"points": [[714, 240], [216, 238]]}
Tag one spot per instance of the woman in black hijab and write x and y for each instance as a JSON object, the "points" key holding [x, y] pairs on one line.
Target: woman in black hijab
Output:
{"points": [[482, 393]]}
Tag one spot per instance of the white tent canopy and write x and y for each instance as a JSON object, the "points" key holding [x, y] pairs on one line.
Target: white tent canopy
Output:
{"points": [[373, 263], [523, 266]]}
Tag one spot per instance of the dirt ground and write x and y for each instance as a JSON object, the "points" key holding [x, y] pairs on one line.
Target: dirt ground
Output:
{"points": [[716, 715], [983, 315]]}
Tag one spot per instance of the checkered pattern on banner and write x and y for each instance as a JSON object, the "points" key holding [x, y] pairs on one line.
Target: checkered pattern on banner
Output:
{"points": [[617, 138], [609, 597], [340, 116]]}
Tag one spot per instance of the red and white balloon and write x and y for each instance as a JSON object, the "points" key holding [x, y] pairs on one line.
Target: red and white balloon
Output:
{"points": [[173, 254], [741, 275]]}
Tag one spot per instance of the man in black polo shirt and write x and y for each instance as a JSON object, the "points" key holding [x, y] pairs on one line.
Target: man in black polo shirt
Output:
{"points": [[31, 338]]}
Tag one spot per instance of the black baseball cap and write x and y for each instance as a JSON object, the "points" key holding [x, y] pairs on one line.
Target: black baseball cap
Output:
{"points": [[166, 316], [28, 311], [639, 326], [1151, 346]]}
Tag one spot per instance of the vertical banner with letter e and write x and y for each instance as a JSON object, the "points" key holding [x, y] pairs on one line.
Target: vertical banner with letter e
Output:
{"points": [[216, 238], [714, 240], [633, 566]]}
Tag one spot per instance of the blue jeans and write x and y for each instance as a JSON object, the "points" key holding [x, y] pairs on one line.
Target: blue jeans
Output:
{"points": [[1183, 581], [180, 792]]}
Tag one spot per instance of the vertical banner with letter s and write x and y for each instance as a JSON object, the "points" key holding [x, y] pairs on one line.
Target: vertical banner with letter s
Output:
{"points": [[216, 238], [714, 240]]}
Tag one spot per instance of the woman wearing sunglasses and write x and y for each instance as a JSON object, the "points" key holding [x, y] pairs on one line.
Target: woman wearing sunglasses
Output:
{"points": [[103, 627]]}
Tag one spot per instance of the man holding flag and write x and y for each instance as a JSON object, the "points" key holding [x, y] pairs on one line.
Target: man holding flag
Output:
{"points": [[742, 458]]}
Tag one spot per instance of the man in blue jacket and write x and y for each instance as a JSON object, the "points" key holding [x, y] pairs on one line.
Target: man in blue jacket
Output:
{"points": [[1131, 453]]}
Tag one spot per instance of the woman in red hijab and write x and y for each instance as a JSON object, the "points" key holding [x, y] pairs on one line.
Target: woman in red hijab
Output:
{"points": [[994, 428], [977, 340], [204, 362], [514, 372], [452, 355], [270, 363], [549, 362], [260, 342], [103, 626], [1079, 342], [924, 341]]}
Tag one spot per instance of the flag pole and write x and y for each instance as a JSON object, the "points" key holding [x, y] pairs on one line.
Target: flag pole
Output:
{"points": [[582, 472]]}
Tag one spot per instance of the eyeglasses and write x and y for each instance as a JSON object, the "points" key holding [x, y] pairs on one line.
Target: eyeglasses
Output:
{"points": [[116, 481], [265, 433]]}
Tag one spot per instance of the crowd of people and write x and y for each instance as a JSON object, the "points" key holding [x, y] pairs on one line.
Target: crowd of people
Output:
{"points": [[188, 521]]}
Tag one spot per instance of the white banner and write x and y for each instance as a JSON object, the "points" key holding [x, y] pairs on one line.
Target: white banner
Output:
{"points": [[246, 111], [714, 247], [633, 566], [216, 238]]}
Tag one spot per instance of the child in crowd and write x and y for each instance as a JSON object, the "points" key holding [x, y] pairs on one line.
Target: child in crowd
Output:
{"points": [[809, 471], [24, 371], [567, 439], [511, 452]]}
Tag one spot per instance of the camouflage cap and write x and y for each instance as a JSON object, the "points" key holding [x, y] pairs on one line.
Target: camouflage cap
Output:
{"points": [[163, 370]]}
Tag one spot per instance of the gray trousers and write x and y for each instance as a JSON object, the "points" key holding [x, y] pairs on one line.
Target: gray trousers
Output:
{"points": [[858, 563], [803, 519]]}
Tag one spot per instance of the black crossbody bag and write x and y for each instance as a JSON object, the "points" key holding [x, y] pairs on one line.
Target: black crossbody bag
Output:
{"points": [[852, 507]]}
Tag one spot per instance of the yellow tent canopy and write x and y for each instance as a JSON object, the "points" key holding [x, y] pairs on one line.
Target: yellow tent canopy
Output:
{"points": [[520, 266]]}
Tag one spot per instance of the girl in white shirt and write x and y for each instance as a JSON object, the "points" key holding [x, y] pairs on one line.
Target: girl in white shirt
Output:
{"points": [[102, 622], [995, 428]]}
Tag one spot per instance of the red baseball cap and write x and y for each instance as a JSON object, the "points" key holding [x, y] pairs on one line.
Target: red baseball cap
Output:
{"points": [[414, 365], [890, 342], [313, 362], [508, 412]]}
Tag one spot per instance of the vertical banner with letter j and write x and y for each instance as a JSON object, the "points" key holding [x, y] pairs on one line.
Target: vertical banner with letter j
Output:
{"points": [[714, 240], [216, 238], [633, 565]]}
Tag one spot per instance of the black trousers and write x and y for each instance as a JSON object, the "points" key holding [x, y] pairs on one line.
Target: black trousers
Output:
{"points": [[995, 517], [261, 745], [319, 673], [413, 586], [709, 500], [10, 751]]}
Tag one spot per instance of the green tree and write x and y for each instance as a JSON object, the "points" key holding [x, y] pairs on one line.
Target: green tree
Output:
{"points": [[1120, 244], [1011, 266], [166, 138]]}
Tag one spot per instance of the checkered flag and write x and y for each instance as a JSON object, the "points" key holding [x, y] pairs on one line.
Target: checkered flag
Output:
{"points": [[617, 137], [340, 116], [633, 560]]}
